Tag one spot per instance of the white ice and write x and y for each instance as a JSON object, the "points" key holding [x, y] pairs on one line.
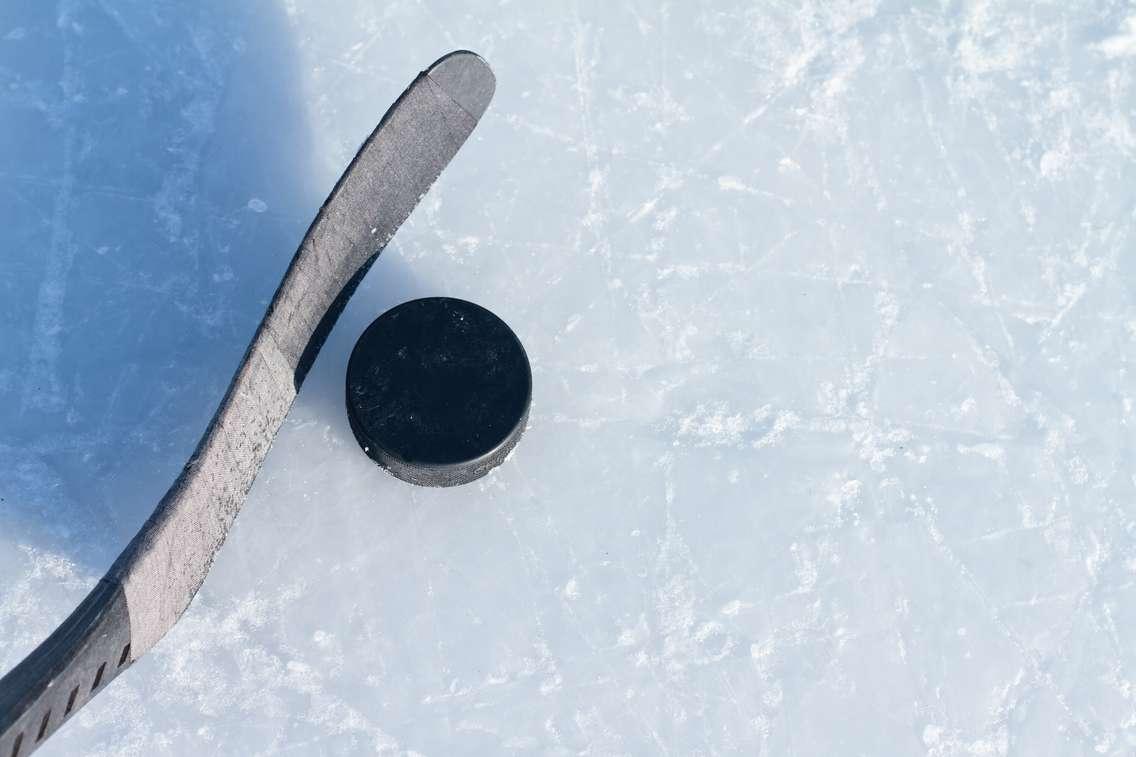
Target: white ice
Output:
{"points": [[831, 313]]}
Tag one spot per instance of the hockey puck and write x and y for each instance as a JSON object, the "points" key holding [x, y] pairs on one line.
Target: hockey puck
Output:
{"points": [[438, 391]]}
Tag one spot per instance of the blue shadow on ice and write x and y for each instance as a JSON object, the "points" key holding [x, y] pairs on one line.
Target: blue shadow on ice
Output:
{"points": [[156, 176]]}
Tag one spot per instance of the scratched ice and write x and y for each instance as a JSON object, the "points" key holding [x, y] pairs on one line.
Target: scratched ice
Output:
{"points": [[830, 308]]}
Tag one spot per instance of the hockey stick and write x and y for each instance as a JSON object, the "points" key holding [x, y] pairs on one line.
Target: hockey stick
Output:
{"points": [[152, 582]]}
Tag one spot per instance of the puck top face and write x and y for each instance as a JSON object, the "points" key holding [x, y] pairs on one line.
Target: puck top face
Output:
{"points": [[438, 391]]}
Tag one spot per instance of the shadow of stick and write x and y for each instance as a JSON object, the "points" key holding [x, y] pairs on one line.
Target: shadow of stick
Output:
{"points": [[177, 187]]}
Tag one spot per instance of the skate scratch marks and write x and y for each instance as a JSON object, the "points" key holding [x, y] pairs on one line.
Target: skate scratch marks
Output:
{"points": [[42, 386], [585, 54], [1040, 674], [437, 22]]}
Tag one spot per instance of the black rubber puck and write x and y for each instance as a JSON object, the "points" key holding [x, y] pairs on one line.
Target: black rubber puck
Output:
{"points": [[438, 391]]}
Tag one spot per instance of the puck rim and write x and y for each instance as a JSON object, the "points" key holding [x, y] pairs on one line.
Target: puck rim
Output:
{"points": [[437, 473]]}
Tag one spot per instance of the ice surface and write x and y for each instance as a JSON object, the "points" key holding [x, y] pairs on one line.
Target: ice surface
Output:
{"points": [[830, 309]]}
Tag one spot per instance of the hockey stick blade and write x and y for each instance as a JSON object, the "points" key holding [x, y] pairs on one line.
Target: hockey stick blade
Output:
{"points": [[153, 581]]}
